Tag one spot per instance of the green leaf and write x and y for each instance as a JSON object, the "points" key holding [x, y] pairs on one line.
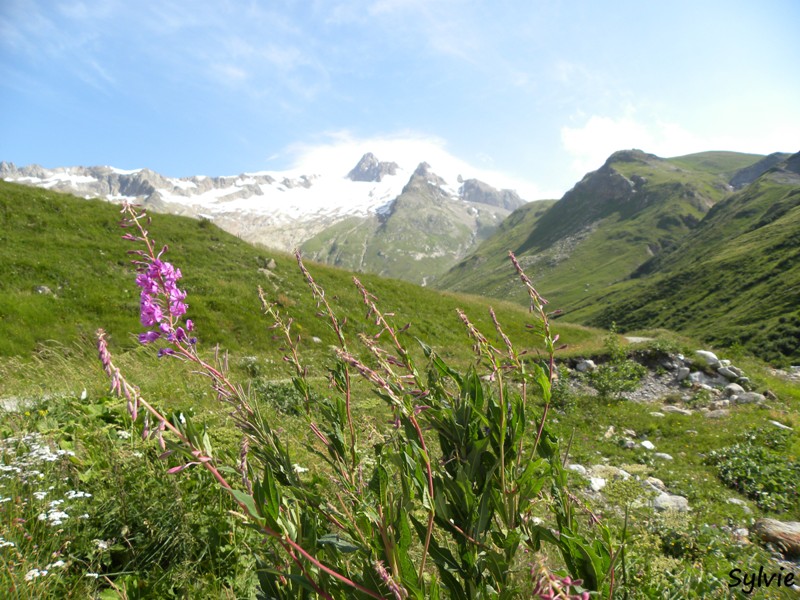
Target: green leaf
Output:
{"points": [[338, 542], [247, 501]]}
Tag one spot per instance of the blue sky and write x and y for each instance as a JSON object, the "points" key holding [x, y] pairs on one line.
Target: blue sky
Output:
{"points": [[538, 91]]}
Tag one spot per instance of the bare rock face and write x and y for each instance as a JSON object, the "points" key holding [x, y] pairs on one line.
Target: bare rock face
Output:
{"points": [[474, 190], [369, 168], [785, 535]]}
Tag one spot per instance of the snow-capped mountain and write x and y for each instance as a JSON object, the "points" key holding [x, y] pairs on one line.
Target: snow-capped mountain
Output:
{"points": [[280, 209]]}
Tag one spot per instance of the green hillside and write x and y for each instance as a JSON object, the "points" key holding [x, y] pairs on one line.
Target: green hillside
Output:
{"points": [[734, 279], [421, 237], [65, 273], [635, 207]]}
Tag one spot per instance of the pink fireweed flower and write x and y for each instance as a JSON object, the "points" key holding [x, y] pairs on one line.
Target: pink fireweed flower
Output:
{"points": [[161, 302]]}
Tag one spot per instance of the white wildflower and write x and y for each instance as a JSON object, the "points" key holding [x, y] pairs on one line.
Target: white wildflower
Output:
{"points": [[34, 573]]}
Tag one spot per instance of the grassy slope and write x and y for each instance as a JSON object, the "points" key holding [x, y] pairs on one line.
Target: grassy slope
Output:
{"points": [[601, 231], [734, 279], [73, 247]]}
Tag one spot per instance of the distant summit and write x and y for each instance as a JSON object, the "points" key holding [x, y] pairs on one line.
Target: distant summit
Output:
{"points": [[369, 168]]}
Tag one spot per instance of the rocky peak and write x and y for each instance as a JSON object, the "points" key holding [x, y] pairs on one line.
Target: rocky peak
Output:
{"points": [[369, 168], [423, 171], [632, 155], [474, 190]]}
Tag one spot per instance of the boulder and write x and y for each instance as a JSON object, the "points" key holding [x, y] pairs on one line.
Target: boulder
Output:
{"points": [[785, 535], [579, 469]]}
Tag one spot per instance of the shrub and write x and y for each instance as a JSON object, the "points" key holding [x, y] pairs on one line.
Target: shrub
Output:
{"points": [[619, 374], [758, 468]]}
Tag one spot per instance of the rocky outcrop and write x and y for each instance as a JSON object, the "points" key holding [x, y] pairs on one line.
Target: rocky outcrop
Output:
{"points": [[369, 168], [473, 190]]}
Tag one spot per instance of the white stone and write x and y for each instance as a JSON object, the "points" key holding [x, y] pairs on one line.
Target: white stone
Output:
{"points": [[657, 414], [648, 444], [580, 469], [781, 425], [663, 455], [669, 408], [597, 483], [586, 366], [707, 356], [733, 389], [665, 501]]}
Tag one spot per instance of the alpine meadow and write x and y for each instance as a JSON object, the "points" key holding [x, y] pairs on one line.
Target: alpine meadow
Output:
{"points": [[590, 397]]}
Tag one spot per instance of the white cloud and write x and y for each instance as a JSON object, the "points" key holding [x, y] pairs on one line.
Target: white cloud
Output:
{"points": [[341, 151]]}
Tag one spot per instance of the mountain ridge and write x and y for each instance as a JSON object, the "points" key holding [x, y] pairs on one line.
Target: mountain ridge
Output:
{"points": [[647, 242], [284, 210]]}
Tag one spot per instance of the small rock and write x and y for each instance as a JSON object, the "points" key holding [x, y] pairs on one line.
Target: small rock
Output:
{"points": [[316, 340], [728, 373], [665, 501], [724, 363], [749, 398], [669, 408], [43, 289], [579, 469], [585, 366], [663, 455], [741, 536], [628, 444], [682, 373], [708, 356], [743, 381], [717, 414], [657, 414], [737, 370], [629, 433], [271, 264], [771, 395], [648, 444], [733, 389], [609, 432], [781, 426], [656, 484], [597, 483]]}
